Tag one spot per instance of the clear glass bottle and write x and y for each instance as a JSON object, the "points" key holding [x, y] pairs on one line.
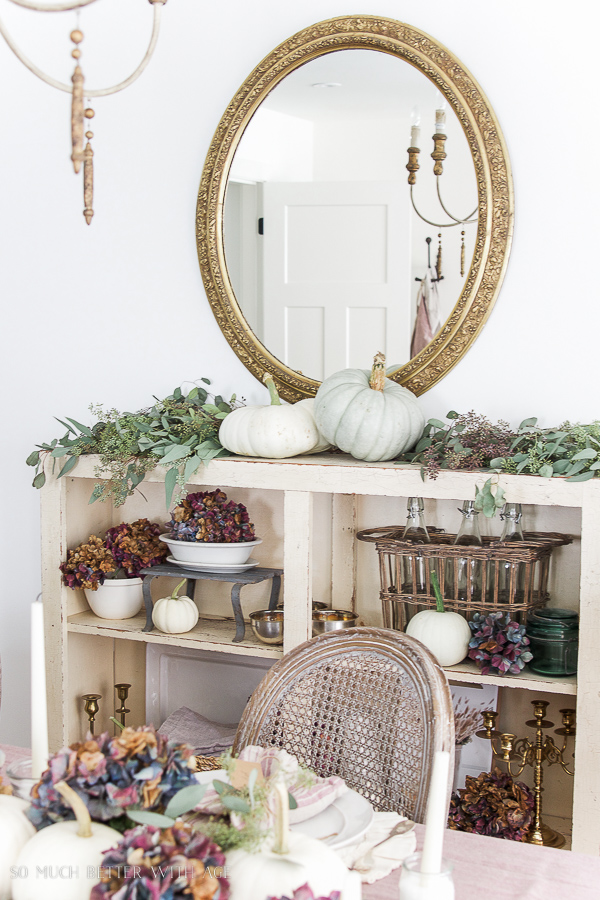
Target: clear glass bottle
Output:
{"points": [[414, 567], [462, 578], [511, 573]]}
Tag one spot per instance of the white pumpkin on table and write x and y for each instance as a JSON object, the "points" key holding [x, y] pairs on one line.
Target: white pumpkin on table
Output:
{"points": [[446, 634], [277, 431], [368, 415], [15, 831], [293, 861], [72, 850]]}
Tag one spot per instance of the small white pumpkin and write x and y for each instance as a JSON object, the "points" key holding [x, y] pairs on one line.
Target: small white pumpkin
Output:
{"points": [[15, 831], [446, 634], [368, 415], [61, 861], [175, 615], [277, 431], [294, 860]]}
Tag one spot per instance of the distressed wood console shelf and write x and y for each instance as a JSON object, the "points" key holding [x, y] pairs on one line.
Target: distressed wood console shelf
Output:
{"points": [[80, 644]]}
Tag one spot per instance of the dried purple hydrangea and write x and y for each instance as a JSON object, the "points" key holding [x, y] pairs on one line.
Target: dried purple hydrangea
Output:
{"points": [[138, 768], [208, 516], [136, 546], [492, 804], [499, 645], [151, 863], [305, 893]]}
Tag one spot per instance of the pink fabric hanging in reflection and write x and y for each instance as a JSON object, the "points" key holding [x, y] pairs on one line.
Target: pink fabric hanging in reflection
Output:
{"points": [[427, 322]]}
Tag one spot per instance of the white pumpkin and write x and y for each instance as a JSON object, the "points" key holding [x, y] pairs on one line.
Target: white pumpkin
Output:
{"points": [[368, 415], [294, 860], [272, 432], [15, 831], [446, 634], [175, 615], [61, 861]]}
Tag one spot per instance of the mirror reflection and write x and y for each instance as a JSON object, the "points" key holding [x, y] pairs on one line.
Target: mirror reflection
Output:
{"points": [[329, 256]]}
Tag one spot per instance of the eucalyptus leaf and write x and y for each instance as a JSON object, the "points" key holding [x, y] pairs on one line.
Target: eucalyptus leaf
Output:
{"points": [[177, 451], [546, 471], [293, 803], [437, 424], [170, 482], [235, 803], [192, 464], [528, 423], [423, 444], [185, 800], [497, 463], [70, 464], [39, 481], [33, 458], [587, 453], [452, 414], [145, 817], [60, 451], [574, 468], [594, 466], [585, 476], [221, 787], [560, 466], [83, 428], [205, 380]]}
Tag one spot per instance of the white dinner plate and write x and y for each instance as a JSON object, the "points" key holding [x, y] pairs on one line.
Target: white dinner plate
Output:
{"points": [[340, 824], [217, 569]]}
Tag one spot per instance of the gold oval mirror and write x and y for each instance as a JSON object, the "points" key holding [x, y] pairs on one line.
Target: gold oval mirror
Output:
{"points": [[315, 249]]}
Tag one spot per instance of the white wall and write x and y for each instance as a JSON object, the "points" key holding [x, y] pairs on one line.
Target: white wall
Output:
{"points": [[115, 313]]}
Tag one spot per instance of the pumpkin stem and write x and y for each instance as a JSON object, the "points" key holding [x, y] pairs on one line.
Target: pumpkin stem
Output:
{"points": [[78, 806], [282, 818], [177, 589], [439, 601], [268, 380], [377, 379]]}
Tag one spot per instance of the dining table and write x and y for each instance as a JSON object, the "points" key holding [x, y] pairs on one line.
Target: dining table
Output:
{"points": [[488, 868]]}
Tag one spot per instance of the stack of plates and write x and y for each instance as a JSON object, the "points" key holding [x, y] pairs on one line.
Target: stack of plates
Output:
{"points": [[222, 569]]}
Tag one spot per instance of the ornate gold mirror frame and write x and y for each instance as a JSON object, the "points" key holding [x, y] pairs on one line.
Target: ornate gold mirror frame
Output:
{"points": [[494, 186]]}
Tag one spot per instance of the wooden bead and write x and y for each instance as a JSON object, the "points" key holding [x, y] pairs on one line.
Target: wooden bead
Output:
{"points": [[89, 135], [77, 36], [76, 53], [89, 113]]}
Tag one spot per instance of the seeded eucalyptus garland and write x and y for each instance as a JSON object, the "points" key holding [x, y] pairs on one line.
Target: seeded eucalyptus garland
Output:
{"points": [[179, 432], [471, 441]]}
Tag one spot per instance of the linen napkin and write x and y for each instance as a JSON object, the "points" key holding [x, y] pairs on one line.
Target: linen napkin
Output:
{"points": [[312, 798], [188, 727], [386, 857]]}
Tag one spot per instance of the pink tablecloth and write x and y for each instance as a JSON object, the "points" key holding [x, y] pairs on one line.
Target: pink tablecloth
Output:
{"points": [[504, 870]]}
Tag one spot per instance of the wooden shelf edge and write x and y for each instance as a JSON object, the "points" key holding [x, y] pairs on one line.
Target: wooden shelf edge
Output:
{"points": [[208, 634], [467, 672]]}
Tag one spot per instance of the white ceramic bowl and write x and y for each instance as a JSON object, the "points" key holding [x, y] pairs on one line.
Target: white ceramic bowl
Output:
{"points": [[117, 598], [211, 554]]}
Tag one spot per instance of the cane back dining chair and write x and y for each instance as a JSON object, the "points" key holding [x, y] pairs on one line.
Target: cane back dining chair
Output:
{"points": [[367, 704]]}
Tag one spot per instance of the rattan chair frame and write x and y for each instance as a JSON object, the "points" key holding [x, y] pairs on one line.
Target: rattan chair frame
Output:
{"points": [[371, 705]]}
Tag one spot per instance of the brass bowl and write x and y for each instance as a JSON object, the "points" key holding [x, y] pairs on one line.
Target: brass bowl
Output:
{"points": [[324, 620], [267, 625]]}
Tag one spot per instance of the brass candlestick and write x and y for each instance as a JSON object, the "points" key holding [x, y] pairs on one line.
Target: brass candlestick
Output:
{"points": [[91, 707], [524, 752], [122, 693]]}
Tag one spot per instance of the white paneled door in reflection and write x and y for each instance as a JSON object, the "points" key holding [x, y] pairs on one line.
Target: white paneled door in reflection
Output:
{"points": [[336, 274]]}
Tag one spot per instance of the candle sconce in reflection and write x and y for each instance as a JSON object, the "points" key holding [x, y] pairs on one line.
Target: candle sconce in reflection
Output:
{"points": [[517, 753], [122, 690], [91, 707]]}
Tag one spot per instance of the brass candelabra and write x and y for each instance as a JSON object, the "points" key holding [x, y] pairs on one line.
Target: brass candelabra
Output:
{"points": [[522, 752], [91, 708], [122, 690]]}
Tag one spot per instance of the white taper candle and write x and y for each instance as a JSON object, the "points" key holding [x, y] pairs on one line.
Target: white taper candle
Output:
{"points": [[437, 814], [39, 710]]}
